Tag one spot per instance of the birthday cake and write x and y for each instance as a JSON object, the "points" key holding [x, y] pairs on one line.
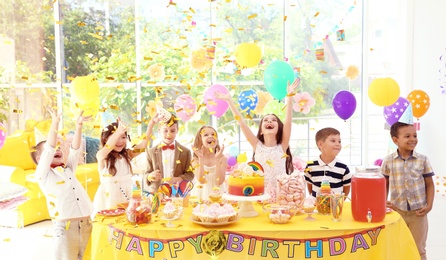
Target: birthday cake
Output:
{"points": [[247, 180]]}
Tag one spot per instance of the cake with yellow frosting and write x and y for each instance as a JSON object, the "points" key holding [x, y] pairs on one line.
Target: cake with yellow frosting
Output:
{"points": [[247, 181]]}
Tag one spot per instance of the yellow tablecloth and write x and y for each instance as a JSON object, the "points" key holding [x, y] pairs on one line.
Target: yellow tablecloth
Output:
{"points": [[255, 238]]}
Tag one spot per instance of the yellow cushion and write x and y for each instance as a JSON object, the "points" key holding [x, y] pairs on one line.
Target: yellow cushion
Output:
{"points": [[16, 152]]}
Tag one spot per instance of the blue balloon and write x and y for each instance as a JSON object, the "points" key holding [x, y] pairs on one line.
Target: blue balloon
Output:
{"points": [[248, 100], [276, 77], [233, 151]]}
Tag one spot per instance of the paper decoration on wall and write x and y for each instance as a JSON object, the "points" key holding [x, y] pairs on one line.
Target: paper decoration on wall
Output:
{"points": [[340, 35], [156, 72], [352, 72], [303, 102], [320, 54], [210, 52], [442, 72], [384, 91]]}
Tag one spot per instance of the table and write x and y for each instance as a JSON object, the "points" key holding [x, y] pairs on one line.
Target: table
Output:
{"points": [[255, 238]]}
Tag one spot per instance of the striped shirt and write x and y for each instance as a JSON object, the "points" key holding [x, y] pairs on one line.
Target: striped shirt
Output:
{"points": [[407, 188], [336, 172]]}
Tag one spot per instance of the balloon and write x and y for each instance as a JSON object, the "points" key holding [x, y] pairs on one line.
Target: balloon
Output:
{"points": [[344, 104], [241, 158], [185, 107], [277, 76], [232, 161], [248, 55], [397, 112], [420, 102], [2, 135], [215, 106], [275, 107], [90, 109], [84, 89], [233, 151], [384, 91], [248, 100]]}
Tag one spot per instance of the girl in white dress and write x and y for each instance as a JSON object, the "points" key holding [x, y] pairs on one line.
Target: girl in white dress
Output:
{"points": [[271, 145], [114, 166], [209, 163]]}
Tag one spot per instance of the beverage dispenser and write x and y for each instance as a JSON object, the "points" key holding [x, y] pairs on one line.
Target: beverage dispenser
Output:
{"points": [[368, 195]]}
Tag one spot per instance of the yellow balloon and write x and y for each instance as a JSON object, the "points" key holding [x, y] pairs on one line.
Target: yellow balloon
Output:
{"points": [[241, 158], [85, 89], [90, 109], [384, 91], [248, 55]]}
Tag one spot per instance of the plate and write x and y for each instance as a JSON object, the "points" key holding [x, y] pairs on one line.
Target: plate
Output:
{"points": [[214, 224], [111, 212]]}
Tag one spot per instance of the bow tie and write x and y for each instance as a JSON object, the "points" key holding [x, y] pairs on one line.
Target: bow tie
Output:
{"points": [[171, 147]]}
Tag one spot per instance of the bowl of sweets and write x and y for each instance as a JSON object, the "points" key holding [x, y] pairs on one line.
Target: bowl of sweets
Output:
{"points": [[279, 214]]}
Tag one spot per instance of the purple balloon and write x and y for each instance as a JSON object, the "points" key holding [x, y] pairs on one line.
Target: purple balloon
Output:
{"points": [[394, 112], [232, 161], [344, 104], [214, 105]]}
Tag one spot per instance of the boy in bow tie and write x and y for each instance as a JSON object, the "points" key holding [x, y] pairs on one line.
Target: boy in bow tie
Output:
{"points": [[169, 159], [68, 203]]}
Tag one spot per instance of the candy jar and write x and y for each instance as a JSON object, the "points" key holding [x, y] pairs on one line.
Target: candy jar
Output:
{"points": [[139, 211], [323, 198]]}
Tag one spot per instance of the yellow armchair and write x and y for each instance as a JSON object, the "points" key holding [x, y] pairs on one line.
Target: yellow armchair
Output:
{"points": [[16, 153]]}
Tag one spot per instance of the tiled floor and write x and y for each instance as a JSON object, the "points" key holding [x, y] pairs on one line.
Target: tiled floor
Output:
{"points": [[35, 242]]}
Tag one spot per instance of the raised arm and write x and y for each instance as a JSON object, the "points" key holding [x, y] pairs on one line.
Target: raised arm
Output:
{"points": [[250, 136], [142, 146], [52, 134], [110, 144], [78, 131], [291, 90]]}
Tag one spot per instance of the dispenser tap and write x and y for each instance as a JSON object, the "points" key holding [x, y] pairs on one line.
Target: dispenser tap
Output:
{"points": [[369, 216]]}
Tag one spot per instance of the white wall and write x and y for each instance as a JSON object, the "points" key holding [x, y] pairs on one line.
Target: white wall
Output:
{"points": [[429, 43]]}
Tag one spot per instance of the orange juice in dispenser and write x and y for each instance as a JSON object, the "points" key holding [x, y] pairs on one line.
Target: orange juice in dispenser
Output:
{"points": [[368, 195]]}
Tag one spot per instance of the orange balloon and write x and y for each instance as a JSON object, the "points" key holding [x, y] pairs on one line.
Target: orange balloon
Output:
{"points": [[384, 91], [420, 102]]}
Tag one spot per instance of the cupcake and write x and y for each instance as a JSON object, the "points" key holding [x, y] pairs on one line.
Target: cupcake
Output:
{"points": [[309, 205], [215, 195], [169, 210]]}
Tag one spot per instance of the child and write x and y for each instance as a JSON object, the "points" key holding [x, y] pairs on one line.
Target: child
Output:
{"points": [[271, 145], [169, 159], [327, 166], [114, 166], [68, 202], [409, 181], [209, 162]]}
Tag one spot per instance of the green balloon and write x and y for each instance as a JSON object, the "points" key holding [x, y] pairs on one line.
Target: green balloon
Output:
{"points": [[276, 77], [275, 107]]}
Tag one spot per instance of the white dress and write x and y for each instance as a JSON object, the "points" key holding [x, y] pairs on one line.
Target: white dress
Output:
{"points": [[202, 191], [273, 161], [113, 189]]}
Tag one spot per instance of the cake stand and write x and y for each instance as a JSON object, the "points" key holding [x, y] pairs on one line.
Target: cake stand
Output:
{"points": [[246, 208]]}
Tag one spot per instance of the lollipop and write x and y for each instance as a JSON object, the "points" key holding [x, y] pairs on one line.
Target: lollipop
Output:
{"points": [[156, 203]]}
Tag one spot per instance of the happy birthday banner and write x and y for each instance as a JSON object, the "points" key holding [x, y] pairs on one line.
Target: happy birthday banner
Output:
{"points": [[228, 244]]}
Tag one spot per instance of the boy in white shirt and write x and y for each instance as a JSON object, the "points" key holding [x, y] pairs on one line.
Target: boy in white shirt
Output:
{"points": [[68, 202]]}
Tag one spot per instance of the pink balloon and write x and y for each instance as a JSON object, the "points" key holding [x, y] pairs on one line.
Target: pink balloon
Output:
{"points": [[2, 135], [214, 105], [185, 107]]}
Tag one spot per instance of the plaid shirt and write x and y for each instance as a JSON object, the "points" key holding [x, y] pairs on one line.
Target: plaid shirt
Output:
{"points": [[406, 179]]}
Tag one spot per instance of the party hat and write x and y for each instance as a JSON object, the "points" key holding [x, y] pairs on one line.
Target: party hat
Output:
{"points": [[407, 116]]}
